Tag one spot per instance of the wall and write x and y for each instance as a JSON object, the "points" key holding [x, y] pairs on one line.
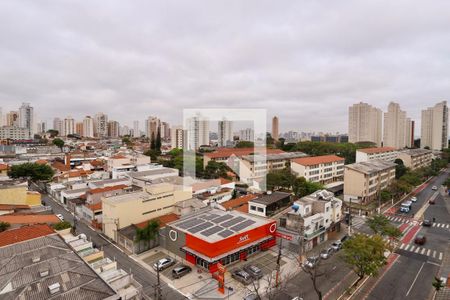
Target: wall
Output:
{"points": [[354, 184], [19, 195]]}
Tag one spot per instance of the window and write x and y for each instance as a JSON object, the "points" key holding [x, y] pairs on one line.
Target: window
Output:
{"points": [[252, 207], [260, 209], [148, 212], [327, 209]]}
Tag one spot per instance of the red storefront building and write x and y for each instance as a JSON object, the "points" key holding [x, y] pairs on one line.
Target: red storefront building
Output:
{"points": [[207, 238]]}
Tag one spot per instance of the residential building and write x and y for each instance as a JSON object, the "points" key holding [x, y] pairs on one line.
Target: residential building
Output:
{"points": [[136, 130], [1, 117], [79, 128], [256, 166], [225, 133], [377, 153], [247, 135], [397, 128], [275, 128], [152, 125], [26, 118], [100, 125], [41, 127], [12, 118], [25, 233], [155, 200], [113, 129], [197, 132], [364, 124], [44, 267], [226, 155], [269, 204], [364, 181], [416, 158], [208, 237], [239, 204], [69, 126], [120, 165], [17, 193], [165, 131], [58, 125], [88, 127], [328, 138], [3, 170], [178, 137], [434, 134], [14, 133], [323, 169]]}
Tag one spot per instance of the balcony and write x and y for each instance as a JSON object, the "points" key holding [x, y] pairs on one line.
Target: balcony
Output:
{"points": [[315, 233]]}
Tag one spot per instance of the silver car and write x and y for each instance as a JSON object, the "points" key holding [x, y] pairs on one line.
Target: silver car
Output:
{"points": [[326, 253], [311, 262], [163, 264]]}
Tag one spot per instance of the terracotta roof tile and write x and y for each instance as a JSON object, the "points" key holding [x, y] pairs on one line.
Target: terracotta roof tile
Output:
{"points": [[107, 189], [377, 150], [13, 206], [60, 166], [3, 167], [238, 202], [162, 220], [243, 208], [315, 160], [24, 233], [96, 206], [29, 219], [227, 152], [41, 162]]}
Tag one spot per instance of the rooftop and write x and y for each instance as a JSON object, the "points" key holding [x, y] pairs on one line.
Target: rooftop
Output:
{"points": [[227, 152], [238, 202], [153, 172], [13, 206], [275, 156], [369, 167], [316, 160], [376, 150], [130, 231], [24, 233], [29, 219], [3, 167], [215, 225], [271, 198], [107, 189], [416, 152]]}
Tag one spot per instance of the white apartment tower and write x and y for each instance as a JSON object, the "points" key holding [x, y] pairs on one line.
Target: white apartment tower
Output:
{"points": [[69, 126], [101, 125], [26, 118], [397, 128], [58, 125], [136, 131], [177, 137], [364, 123], [198, 132], [88, 127], [225, 133], [247, 134], [434, 133]]}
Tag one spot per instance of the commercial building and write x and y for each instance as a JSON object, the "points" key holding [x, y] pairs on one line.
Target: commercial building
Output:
{"points": [[209, 237], [365, 180], [275, 128], [14, 133], [364, 124], [416, 158], [225, 133], [377, 153], [434, 133], [268, 204], [397, 128], [323, 169]]}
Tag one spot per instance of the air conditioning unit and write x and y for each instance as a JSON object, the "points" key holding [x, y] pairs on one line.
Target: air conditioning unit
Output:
{"points": [[36, 259], [43, 273], [54, 288]]}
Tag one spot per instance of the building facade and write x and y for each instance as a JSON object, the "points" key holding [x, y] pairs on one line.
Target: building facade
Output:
{"points": [[247, 135], [377, 153], [397, 128], [198, 132], [88, 127], [275, 128], [434, 133], [26, 118], [416, 158], [225, 133], [323, 169], [178, 137], [14, 133], [101, 125], [364, 124]]}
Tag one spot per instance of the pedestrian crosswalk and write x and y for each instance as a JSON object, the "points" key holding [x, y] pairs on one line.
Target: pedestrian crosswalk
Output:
{"points": [[398, 219], [421, 250], [441, 225]]}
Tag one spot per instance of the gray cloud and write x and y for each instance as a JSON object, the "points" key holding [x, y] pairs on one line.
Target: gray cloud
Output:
{"points": [[305, 61]]}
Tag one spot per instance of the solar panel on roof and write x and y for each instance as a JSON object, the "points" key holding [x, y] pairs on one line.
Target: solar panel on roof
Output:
{"points": [[209, 217], [190, 223], [211, 231], [225, 233], [233, 221], [222, 218], [242, 225], [200, 227]]}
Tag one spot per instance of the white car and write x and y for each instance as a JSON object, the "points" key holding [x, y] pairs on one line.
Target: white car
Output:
{"points": [[60, 216], [413, 199], [434, 188]]}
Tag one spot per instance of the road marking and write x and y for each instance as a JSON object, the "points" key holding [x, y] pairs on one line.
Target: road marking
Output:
{"points": [[407, 247], [434, 253], [402, 245], [417, 250], [440, 256], [423, 251], [429, 251], [434, 225], [439, 225], [410, 288]]}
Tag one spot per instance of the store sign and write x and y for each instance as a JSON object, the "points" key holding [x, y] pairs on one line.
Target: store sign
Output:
{"points": [[243, 238], [283, 236], [221, 267]]}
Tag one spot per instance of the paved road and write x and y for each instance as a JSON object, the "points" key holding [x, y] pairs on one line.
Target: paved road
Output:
{"points": [[142, 275], [410, 277]]}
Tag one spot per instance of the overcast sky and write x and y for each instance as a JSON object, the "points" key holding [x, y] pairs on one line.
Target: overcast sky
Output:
{"points": [[305, 61]]}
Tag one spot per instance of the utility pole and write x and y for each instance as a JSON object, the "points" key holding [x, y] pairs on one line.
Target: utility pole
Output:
{"points": [[301, 243], [158, 295], [278, 264], [350, 218]]}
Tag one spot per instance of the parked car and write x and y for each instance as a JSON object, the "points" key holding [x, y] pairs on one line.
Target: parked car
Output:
{"points": [[312, 261], [427, 223], [241, 276], [434, 188], [60, 216], [163, 263], [414, 199], [344, 238], [180, 271], [337, 245], [420, 239], [326, 253], [254, 271]]}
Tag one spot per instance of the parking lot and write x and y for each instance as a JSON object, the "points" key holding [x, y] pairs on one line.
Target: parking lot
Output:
{"points": [[150, 260], [266, 261]]}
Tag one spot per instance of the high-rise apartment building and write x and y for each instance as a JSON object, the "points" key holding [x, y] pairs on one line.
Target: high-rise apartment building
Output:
{"points": [[165, 131], [88, 127], [225, 133], [397, 128], [101, 125], [12, 118], [434, 133], [69, 126], [178, 137], [41, 127], [247, 134], [79, 128], [26, 118], [152, 125], [275, 128], [113, 129], [136, 131], [198, 132], [58, 125], [124, 130], [364, 124]]}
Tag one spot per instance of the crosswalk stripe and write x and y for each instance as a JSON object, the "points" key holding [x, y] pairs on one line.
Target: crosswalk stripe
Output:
{"points": [[434, 225], [448, 225], [402, 245], [428, 252], [434, 253], [417, 250], [412, 248], [439, 225], [407, 246], [423, 251], [440, 256]]}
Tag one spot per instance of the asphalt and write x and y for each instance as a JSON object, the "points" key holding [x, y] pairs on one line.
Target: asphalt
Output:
{"points": [[147, 279]]}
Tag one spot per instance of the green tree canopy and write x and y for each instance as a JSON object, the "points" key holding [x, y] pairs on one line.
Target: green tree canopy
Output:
{"points": [[400, 168], [59, 143], [244, 144], [4, 226], [149, 232], [62, 225], [31, 171]]}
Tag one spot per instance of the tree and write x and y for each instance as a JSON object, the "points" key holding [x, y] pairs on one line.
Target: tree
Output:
{"points": [[385, 195], [381, 225], [62, 225], [364, 254], [314, 274], [31, 171], [400, 168], [59, 143], [158, 140], [244, 144], [4, 226], [148, 233], [126, 140], [152, 142], [53, 132], [215, 170], [438, 283]]}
